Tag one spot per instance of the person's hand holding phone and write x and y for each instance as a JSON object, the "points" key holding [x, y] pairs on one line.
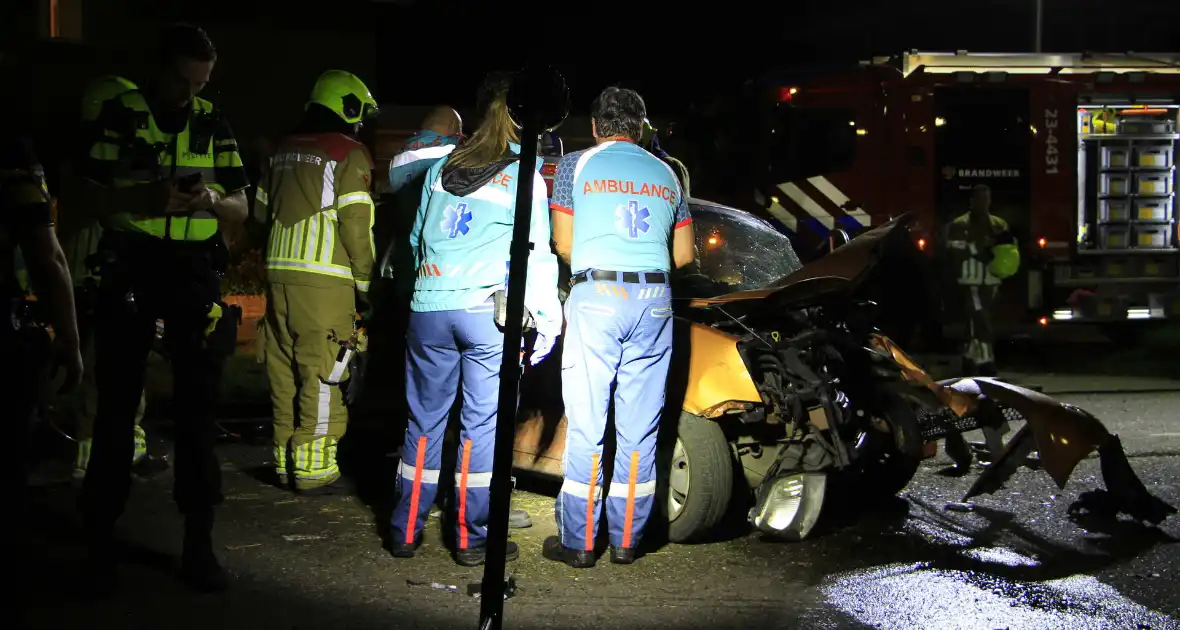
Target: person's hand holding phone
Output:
{"points": [[190, 194]]}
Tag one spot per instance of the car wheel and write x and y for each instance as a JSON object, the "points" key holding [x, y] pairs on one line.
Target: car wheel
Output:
{"points": [[883, 466], [699, 479]]}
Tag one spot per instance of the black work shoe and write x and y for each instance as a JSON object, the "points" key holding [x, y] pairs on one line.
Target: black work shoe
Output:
{"points": [[619, 555], [519, 519], [554, 550], [477, 556], [404, 550], [200, 570]]}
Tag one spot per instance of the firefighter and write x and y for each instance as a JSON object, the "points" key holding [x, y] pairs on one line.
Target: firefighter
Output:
{"points": [[985, 253], [319, 258], [621, 220], [80, 235], [165, 173], [460, 241]]}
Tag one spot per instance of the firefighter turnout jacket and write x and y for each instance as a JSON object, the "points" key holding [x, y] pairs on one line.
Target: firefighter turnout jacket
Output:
{"points": [[315, 196], [982, 259]]}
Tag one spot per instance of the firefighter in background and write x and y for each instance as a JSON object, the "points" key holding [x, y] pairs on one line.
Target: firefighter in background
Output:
{"points": [[161, 257], [80, 233], [621, 246], [461, 241], [985, 253], [319, 258]]}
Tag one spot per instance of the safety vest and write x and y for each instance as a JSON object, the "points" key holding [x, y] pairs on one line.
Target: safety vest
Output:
{"points": [[144, 154], [972, 270]]}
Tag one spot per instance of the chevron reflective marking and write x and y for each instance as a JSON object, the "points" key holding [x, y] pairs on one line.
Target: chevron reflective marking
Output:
{"points": [[808, 204], [786, 218], [830, 191]]}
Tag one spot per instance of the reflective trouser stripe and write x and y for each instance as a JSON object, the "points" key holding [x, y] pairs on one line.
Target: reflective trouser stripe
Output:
{"points": [[82, 461], [630, 500], [315, 459], [466, 465], [591, 502], [419, 464], [327, 388]]}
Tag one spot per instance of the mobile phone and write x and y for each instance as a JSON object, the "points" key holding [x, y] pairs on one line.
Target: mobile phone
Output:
{"points": [[188, 182]]}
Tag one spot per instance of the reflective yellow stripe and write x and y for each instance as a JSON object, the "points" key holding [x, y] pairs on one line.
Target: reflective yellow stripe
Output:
{"points": [[198, 227], [336, 271], [261, 196], [351, 198], [308, 246]]}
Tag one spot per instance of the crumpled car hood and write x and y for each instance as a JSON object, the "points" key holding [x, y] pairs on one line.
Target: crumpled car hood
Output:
{"points": [[841, 270]]}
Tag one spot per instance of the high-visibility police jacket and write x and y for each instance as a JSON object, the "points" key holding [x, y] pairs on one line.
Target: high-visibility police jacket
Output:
{"points": [[132, 150], [970, 255], [314, 195]]}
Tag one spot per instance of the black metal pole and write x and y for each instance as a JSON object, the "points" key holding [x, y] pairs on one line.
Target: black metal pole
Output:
{"points": [[492, 590]]}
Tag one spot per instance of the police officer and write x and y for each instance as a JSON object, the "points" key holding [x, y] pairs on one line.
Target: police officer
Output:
{"points": [[164, 173], [319, 259], [985, 253], [80, 234], [617, 213], [461, 241]]}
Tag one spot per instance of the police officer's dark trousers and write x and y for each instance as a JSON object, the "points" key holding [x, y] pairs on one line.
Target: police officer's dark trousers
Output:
{"points": [[145, 279]]}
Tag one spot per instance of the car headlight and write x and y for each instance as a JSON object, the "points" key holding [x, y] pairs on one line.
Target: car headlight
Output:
{"points": [[788, 506]]}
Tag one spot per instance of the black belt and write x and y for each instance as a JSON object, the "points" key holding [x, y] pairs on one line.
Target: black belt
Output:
{"points": [[632, 277]]}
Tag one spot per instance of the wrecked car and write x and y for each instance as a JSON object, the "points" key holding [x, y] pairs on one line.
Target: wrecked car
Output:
{"points": [[783, 389]]}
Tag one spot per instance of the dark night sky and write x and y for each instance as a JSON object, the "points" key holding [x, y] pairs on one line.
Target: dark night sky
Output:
{"points": [[671, 55], [432, 51]]}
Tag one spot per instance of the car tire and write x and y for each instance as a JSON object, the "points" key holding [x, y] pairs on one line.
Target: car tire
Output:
{"points": [[697, 470], [883, 466]]}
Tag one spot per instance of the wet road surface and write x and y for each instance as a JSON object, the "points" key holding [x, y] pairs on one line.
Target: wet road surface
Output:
{"points": [[1016, 562]]}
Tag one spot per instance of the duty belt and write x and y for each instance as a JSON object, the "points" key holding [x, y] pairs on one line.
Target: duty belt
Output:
{"points": [[632, 277]]}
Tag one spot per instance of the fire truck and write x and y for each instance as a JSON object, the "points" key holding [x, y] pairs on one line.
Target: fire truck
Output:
{"points": [[1077, 149]]}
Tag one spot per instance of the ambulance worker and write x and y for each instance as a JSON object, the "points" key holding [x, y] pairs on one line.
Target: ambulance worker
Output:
{"points": [[621, 220], [460, 241]]}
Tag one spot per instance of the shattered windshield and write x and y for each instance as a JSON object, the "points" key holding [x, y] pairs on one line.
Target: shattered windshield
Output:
{"points": [[738, 249]]}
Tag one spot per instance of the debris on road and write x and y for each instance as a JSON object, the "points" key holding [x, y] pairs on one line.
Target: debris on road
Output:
{"points": [[301, 537], [966, 506], [434, 585]]}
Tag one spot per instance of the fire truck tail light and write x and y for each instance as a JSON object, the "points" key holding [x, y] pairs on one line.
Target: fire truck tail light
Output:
{"points": [[786, 93], [1041, 242], [922, 244], [1044, 321]]}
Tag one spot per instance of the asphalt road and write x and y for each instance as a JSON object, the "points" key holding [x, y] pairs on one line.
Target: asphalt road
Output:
{"points": [[1016, 562]]}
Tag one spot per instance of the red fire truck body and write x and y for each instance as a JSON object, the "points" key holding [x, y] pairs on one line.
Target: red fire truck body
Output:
{"points": [[1078, 151]]}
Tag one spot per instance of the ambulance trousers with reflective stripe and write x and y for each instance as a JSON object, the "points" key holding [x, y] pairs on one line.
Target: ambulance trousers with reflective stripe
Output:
{"points": [[446, 350], [305, 367], [173, 281], [621, 331]]}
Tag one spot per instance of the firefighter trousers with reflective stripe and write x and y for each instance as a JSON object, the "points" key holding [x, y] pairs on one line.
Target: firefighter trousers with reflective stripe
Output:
{"points": [[149, 281], [614, 331], [978, 302], [305, 367], [84, 405], [447, 350]]}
